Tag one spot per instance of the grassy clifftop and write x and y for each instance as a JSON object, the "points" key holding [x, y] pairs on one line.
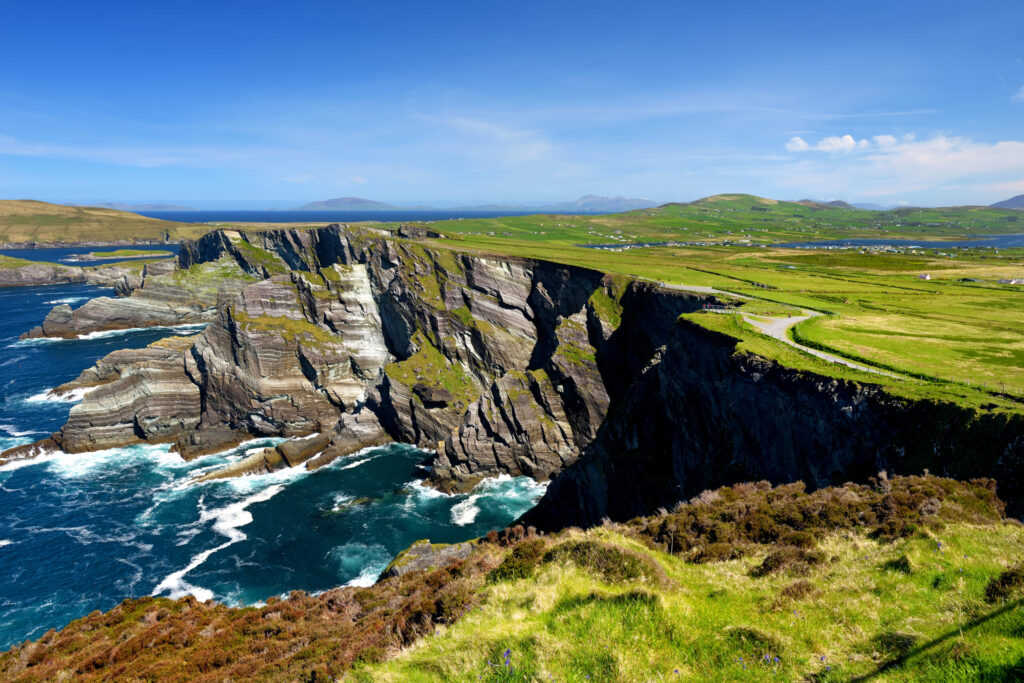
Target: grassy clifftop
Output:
{"points": [[31, 221], [914, 578]]}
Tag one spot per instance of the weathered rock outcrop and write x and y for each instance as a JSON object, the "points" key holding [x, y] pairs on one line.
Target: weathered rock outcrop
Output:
{"points": [[701, 415], [161, 295], [39, 274], [124, 280], [496, 364]]}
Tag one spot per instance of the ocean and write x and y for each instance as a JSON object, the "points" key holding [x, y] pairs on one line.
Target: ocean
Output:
{"points": [[83, 532], [324, 217]]}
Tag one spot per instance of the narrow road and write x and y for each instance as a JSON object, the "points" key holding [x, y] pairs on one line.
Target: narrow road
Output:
{"points": [[778, 328]]}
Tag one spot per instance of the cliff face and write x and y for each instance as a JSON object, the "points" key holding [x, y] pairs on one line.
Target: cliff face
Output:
{"points": [[497, 366], [701, 415], [338, 339]]}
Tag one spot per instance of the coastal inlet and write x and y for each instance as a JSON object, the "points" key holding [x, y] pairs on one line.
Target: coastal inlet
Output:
{"points": [[80, 532]]}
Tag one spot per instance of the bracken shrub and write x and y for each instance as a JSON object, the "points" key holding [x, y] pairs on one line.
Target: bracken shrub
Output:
{"points": [[302, 637], [716, 552], [519, 563], [758, 513], [787, 558], [899, 564], [610, 562], [1005, 585], [798, 590]]}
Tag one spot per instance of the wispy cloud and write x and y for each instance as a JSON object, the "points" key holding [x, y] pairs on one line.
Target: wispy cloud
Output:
{"points": [[1019, 97], [886, 165]]}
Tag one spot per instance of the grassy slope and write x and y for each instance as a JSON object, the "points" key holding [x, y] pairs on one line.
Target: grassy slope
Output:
{"points": [[716, 622], [32, 221], [890, 581]]}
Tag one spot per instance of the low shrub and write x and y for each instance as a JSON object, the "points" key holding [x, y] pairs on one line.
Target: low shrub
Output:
{"points": [[899, 564], [758, 513], [519, 563], [787, 558], [610, 562], [798, 590], [1005, 585]]}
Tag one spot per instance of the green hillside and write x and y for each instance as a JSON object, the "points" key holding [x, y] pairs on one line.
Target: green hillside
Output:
{"points": [[31, 221]]}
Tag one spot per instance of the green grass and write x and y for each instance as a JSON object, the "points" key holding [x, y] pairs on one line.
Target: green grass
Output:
{"points": [[428, 366], [855, 617], [753, 342], [129, 253], [11, 263]]}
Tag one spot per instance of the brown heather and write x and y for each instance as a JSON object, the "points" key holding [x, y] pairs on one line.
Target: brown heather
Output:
{"points": [[314, 638]]}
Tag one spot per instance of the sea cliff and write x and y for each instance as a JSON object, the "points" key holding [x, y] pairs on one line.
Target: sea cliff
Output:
{"points": [[338, 338]]}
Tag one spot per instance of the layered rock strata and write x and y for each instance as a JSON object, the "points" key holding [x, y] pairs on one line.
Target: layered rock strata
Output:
{"points": [[162, 295], [336, 340]]}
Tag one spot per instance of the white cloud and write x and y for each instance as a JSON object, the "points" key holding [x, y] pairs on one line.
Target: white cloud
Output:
{"points": [[833, 144], [889, 166], [1019, 97], [797, 144]]}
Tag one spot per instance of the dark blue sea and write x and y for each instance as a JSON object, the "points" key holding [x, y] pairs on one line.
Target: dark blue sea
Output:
{"points": [[83, 532], [325, 217]]}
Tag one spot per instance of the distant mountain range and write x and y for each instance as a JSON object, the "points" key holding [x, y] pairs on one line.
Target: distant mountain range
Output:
{"points": [[139, 207], [587, 204], [1011, 203]]}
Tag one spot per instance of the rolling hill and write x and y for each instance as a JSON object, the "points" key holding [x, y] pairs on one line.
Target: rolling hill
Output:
{"points": [[24, 221]]}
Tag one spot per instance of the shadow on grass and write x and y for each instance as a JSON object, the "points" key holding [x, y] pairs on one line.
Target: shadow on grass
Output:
{"points": [[1011, 672]]}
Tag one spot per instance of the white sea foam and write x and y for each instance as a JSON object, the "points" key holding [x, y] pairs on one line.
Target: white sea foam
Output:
{"points": [[175, 329], [366, 578], [365, 561], [465, 512], [227, 521], [73, 396], [68, 300], [79, 465], [4, 541], [42, 458], [12, 361], [347, 466], [14, 431]]}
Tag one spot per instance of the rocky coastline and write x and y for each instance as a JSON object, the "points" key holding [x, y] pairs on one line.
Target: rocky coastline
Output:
{"points": [[339, 338]]}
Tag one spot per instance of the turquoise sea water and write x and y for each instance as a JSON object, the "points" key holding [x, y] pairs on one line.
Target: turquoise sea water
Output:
{"points": [[85, 531]]}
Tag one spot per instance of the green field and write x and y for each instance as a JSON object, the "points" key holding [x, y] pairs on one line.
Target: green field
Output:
{"points": [[129, 253]]}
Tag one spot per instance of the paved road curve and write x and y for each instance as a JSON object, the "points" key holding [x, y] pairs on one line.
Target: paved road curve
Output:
{"points": [[778, 328]]}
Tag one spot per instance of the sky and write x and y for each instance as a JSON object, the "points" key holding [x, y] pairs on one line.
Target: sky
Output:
{"points": [[271, 104]]}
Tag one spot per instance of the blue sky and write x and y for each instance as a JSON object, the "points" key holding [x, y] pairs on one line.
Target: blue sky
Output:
{"points": [[273, 104]]}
